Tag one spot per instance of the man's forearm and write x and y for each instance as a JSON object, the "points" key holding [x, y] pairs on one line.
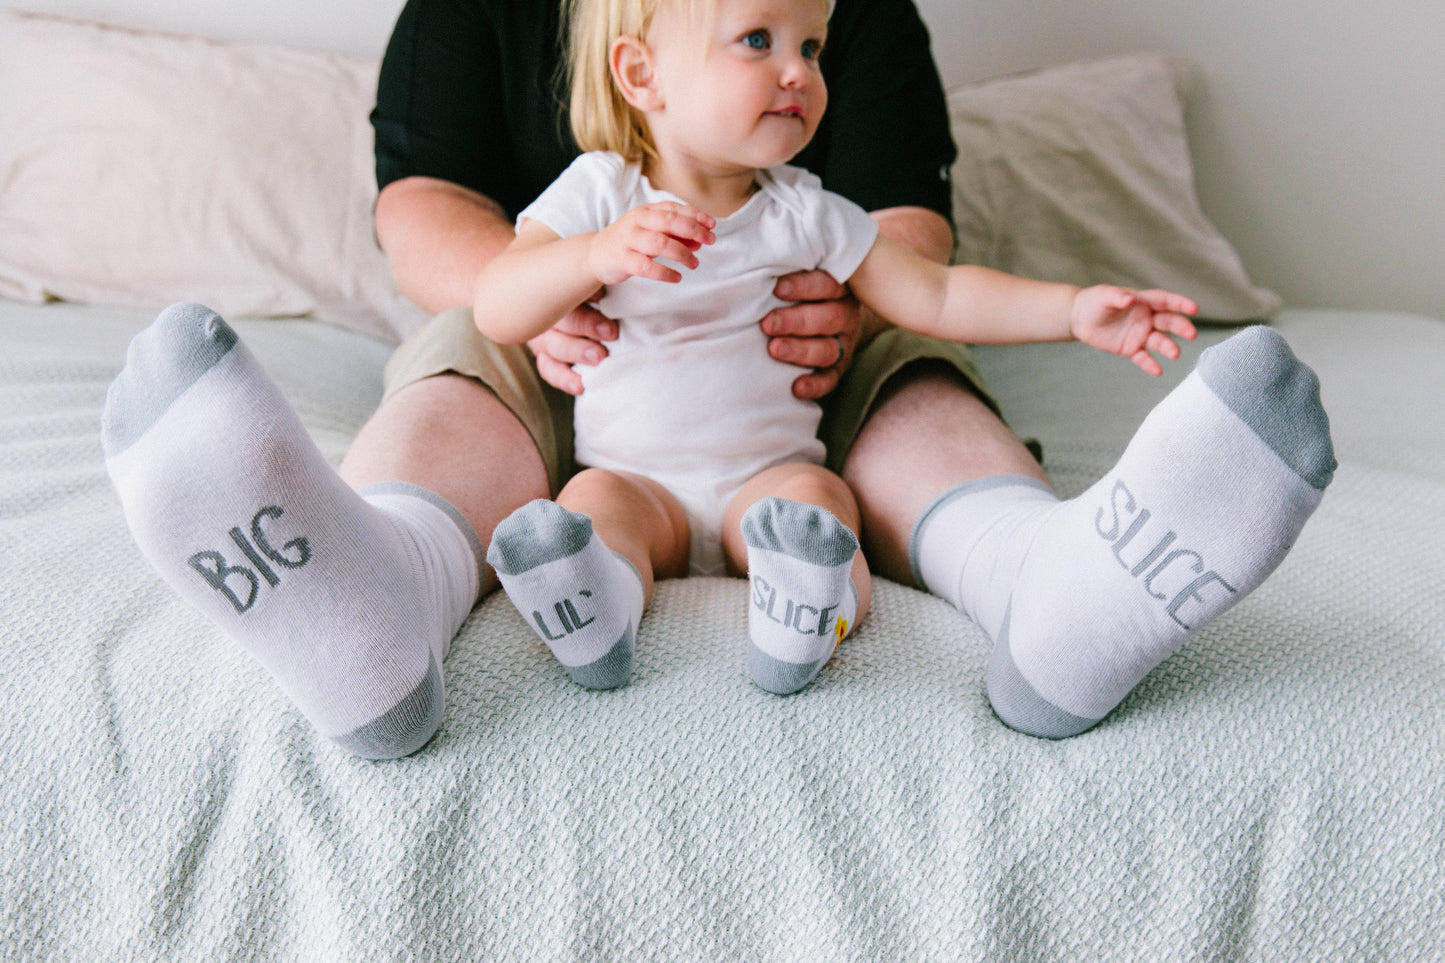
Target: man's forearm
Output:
{"points": [[437, 236]]}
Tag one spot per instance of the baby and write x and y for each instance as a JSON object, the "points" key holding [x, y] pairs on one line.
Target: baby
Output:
{"points": [[677, 222]]}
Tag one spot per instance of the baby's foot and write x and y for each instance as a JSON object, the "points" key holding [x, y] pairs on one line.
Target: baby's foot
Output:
{"points": [[580, 597], [802, 598]]}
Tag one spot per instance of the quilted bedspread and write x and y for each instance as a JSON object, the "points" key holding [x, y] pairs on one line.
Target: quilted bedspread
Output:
{"points": [[1275, 791]]}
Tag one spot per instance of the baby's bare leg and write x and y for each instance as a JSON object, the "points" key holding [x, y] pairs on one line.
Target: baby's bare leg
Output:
{"points": [[636, 518], [795, 526]]}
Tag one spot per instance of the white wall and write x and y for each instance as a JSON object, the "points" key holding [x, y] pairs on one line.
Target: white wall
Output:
{"points": [[1318, 125]]}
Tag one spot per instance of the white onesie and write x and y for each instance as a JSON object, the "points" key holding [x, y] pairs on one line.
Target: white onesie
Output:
{"points": [[688, 395]]}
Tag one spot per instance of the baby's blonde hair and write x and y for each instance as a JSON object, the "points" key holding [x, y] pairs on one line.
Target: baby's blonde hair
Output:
{"points": [[600, 117]]}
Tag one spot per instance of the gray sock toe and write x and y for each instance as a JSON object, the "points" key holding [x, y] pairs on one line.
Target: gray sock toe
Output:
{"points": [[182, 344], [803, 531], [1257, 375], [539, 532]]}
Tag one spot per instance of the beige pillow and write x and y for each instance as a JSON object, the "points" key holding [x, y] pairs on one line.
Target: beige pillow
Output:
{"points": [[1082, 173], [141, 168]]}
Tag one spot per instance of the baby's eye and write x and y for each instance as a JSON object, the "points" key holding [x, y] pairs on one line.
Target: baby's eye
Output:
{"points": [[759, 40], [811, 49]]}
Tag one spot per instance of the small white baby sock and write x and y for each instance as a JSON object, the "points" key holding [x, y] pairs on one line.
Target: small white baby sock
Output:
{"points": [[1083, 598], [349, 602], [580, 597], [802, 598]]}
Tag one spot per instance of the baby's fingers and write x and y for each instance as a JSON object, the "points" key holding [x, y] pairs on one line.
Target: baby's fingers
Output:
{"points": [[1168, 325], [1167, 302], [688, 224], [1144, 360], [655, 244], [639, 264], [1159, 343]]}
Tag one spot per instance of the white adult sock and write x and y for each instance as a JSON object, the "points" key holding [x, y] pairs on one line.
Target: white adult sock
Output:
{"points": [[349, 602], [1084, 597], [802, 600], [578, 596]]}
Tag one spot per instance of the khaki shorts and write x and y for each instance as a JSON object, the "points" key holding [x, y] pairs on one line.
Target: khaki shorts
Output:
{"points": [[451, 344]]}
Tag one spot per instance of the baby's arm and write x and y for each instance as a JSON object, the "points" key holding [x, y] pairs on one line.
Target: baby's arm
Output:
{"points": [[983, 306], [540, 276]]}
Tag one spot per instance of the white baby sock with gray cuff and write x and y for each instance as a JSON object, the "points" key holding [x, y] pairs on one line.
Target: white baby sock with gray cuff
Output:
{"points": [[581, 598], [802, 600]]}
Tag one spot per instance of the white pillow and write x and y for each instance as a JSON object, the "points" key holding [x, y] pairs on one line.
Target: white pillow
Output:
{"points": [[1082, 174], [140, 169]]}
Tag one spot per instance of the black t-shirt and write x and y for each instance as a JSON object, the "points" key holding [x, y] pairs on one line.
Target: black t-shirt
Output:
{"points": [[470, 93]]}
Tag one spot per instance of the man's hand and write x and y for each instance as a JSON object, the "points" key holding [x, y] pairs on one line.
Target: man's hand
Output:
{"points": [[627, 248], [576, 339], [820, 332]]}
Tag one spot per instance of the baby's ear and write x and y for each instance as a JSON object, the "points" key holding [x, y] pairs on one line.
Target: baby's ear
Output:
{"points": [[633, 73]]}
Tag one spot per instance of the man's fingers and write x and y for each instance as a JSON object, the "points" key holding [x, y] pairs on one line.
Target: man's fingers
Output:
{"points": [[576, 339], [815, 335], [809, 286], [822, 319], [567, 349], [586, 322], [824, 351], [816, 384], [559, 375]]}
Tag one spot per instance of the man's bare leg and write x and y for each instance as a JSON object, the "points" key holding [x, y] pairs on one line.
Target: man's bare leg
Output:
{"points": [[1084, 597], [928, 419], [450, 435]]}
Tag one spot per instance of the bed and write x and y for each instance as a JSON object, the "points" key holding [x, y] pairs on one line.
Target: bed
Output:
{"points": [[1275, 790]]}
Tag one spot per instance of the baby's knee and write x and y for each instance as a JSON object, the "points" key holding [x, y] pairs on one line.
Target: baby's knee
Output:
{"points": [[816, 485], [592, 486], [590, 481]]}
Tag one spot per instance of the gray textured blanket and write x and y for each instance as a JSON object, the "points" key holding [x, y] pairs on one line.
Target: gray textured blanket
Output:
{"points": [[1274, 791]]}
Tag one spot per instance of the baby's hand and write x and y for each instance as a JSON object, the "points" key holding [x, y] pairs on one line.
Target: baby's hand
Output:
{"points": [[1132, 323], [630, 245]]}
